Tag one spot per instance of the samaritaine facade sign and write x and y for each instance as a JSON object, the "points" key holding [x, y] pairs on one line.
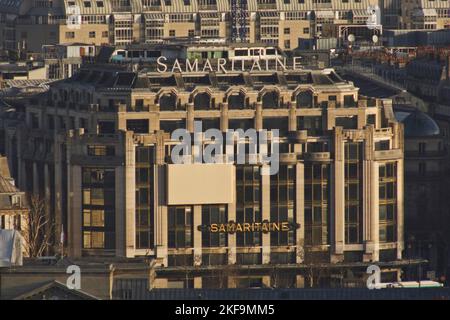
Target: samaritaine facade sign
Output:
{"points": [[234, 227], [223, 65]]}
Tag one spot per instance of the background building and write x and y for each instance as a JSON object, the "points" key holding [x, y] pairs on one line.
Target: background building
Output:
{"points": [[426, 203], [29, 24]]}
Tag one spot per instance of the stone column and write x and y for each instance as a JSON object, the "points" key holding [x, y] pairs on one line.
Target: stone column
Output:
{"points": [[374, 211], [58, 187], [197, 221], [35, 179], [47, 198], [120, 211], [190, 117], [161, 215], [258, 116], [232, 237], [265, 206], [338, 198], [130, 196], [300, 210], [400, 208], [292, 117], [22, 176], [75, 212], [370, 197], [224, 117]]}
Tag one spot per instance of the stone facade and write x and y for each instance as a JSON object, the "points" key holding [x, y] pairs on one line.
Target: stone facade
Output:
{"points": [[98, 148]]}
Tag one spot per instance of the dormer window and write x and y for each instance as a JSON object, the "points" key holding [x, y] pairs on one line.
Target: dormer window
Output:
{"points": [[15, 200]]}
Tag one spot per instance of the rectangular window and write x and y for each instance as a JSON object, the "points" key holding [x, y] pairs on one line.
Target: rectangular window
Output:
{"points": [[70, 35], [353, 192], [180, 228], [287, 44], [248, 207], [387, 196], [144, 197], [214, 214], [422, 168], [382, 145], [93, 240], [138, 125], [349, 101], [313, 124], [422, 148], [98, 207], [171, 33], [91, 34], [316, 203], [350, 122], [100, 150], [282, 205]]}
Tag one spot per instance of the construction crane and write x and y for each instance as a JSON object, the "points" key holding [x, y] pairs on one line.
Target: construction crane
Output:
{"points": [[239, 15]]}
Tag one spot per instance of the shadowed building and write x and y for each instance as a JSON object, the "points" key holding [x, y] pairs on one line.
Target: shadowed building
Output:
{"points": [[426, 200]]}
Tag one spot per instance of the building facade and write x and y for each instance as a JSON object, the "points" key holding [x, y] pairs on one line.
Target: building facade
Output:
{"points": [[98, 147], [28, 24], [13, 206], [426, 203]]}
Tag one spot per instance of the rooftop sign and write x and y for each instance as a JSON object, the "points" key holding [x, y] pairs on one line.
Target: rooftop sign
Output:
{"points": [[222, 65]]}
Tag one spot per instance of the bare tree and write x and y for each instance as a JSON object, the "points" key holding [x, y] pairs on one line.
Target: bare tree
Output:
{"points": [[314, 265], [226, 271], [39, 228]]}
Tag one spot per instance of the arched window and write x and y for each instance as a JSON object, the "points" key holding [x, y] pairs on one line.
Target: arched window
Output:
{"points": [[236, 101], [271, 100], [305, 99], [202, 101], [168, 102]]}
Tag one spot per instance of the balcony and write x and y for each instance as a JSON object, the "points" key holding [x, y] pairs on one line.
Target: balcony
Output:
{"points": [[299, 136], [388, 154], [265, 6], [152, 8], [138, 108], [317, 156], [121, 9], [318, 5], [209, 7], [289, 158]]}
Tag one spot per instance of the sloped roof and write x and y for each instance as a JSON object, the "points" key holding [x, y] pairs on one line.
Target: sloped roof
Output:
{"points": [[6, 186], [55, 289]]}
